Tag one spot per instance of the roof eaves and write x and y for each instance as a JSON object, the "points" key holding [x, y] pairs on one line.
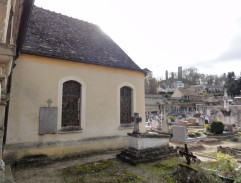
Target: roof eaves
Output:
{"points": [[81, 61]]}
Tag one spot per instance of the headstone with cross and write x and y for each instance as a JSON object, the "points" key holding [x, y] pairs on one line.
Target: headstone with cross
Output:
{"points": [[136, 119], [188, 155], [49, 101]]}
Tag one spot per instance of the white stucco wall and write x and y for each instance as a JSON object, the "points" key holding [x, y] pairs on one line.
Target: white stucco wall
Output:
{"points": [[37, 79]]}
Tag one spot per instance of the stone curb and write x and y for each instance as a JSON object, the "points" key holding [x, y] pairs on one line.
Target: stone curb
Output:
{"points": [[6, 176]]}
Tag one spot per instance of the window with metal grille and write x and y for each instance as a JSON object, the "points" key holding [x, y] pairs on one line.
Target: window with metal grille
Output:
{"points": [[125, 104], [71, 101]]}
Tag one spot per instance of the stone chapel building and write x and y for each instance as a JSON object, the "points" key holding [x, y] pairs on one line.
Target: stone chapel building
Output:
{"points": [[74, 90]]}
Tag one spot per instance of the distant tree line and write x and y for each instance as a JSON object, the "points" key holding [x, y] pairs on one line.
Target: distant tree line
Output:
{"points": [[233, 84], [191, 76], [151, 83]]}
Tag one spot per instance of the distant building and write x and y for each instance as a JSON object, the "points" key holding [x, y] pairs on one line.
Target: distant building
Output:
{"points": [[165, 88], [226, 117], [199, 89], [179, 72], [214, 88], [153, 103], [178, 84], [172, 75], [166, 75], [185, 94]]}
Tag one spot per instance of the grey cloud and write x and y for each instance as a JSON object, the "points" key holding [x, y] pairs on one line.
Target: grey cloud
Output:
{"points": [[233, 53]]}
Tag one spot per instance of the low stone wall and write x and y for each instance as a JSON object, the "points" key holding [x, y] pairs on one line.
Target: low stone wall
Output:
{"points": [[58, 149], [6, 175]]}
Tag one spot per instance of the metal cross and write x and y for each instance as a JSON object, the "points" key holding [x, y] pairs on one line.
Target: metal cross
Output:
{"points": [[188, 155], [49, 101], [136, 119]]}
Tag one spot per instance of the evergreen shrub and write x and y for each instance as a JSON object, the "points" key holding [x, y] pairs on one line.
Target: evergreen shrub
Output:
{"points": [[217, 127]]}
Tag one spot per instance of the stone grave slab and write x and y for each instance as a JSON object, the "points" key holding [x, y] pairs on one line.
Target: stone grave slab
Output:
{"points": [[48, 120]]}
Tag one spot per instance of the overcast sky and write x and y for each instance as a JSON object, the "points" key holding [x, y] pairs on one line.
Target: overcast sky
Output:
{"points": [[162, 35]]}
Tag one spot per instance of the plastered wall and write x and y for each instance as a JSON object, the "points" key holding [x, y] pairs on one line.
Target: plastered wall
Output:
{"points": [[37, 79]]}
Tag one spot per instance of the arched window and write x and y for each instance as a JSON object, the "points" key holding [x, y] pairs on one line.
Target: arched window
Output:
{"points": [[125, 105], [71, 100]]}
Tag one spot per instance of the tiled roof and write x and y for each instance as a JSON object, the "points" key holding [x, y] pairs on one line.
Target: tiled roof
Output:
{"points": [[188, 92], [214, 86], [55, 35], [226, 113], [197, 115]]}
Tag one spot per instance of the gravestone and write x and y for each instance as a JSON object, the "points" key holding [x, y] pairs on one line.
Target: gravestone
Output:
{"points": [[136, 119], [144, 147], [165, 126], [48, 119], [239, 118], [209, 111], [182, 123], [179, 133]]}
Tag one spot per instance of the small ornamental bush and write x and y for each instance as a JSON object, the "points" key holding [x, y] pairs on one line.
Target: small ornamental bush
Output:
{"points": [[197, 134], [235, 139], [217, 127], [191, 135], [172, 118]]}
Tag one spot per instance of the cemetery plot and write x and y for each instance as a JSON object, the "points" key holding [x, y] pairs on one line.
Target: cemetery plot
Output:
{"points": [[94, 168], [116, 171]]}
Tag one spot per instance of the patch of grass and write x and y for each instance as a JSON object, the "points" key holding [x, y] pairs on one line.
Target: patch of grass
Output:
{"points": [[165, 169], [189, 167], [88, 168], [171, 180], [100, 172], [167, 164], [128, 177], [213, 154]]}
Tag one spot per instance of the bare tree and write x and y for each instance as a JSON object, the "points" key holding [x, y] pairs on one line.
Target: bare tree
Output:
{"points": [[151, 83]]}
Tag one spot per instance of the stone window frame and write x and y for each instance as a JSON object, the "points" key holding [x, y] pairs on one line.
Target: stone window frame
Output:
{"points": [[82, 105], [133, 105]]}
